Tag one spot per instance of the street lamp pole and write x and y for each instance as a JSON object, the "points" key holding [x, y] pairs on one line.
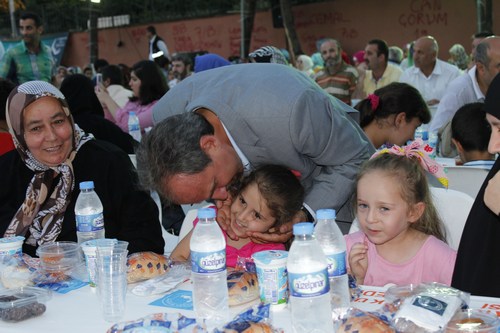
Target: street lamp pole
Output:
{"points": [[93, 45], [13, 23]]}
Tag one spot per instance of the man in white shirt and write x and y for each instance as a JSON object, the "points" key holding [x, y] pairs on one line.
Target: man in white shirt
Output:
{"points": [[468, 88], [429, 75], [112, 79]]}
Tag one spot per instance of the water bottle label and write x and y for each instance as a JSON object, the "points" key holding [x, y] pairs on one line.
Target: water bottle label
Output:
{"points": [[133, 127], [336, 264], [85, 223], [309, 284], [208, 262]]}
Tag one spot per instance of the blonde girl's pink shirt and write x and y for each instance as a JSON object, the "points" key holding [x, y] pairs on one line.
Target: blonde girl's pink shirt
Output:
{"points": [[143, 112], [434, 262]]}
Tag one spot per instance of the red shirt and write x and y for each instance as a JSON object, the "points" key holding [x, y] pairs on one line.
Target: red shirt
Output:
{"points": [[6, 143]]}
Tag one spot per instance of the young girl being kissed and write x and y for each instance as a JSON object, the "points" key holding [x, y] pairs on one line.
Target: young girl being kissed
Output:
{"points": [[268, 197], [401, 238]]}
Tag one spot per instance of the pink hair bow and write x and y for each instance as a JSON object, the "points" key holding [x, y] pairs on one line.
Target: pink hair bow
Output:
{"points": [[374, 101], [419, 150]]}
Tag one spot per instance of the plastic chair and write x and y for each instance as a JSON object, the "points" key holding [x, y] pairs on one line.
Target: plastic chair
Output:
{"points": [[466, 179], [453, 207]]}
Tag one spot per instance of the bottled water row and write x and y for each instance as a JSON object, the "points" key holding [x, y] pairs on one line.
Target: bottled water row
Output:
{"points": [[316, 267]]}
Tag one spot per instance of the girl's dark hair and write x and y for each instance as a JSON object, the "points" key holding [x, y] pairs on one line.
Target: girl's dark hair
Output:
{"points": [[394, 98], [412, 180], [153, 84], [280, 188]]}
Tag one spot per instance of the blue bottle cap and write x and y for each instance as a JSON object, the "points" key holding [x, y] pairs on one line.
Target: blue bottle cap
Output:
{"points": [[131, 113], [206, 213], [325, 214], [303, 228], [87, 185]]}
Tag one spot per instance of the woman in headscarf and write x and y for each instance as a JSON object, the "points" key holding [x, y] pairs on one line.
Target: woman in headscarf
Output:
{"points": [[88, 113], [39, 183]]}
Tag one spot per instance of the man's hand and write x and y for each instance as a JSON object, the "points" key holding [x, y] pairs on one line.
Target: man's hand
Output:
{"points": [[224, 216], [432, 102], [281, 235], [492, 194]]}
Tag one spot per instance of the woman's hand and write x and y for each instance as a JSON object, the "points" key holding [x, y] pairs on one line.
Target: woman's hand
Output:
{"points": [[492, 194], [358, 261], [105, 99]]}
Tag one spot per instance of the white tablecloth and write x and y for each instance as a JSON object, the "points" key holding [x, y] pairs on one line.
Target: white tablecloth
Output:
{"points": [[79, 311]]}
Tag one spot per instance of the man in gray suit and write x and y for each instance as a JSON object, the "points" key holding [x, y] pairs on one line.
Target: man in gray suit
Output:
{"points": [[218, 124]]}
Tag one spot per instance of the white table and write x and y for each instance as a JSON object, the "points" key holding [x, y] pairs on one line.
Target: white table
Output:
{"points": [[79, 311]]}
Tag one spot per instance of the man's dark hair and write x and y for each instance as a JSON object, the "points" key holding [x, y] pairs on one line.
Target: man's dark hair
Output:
{"points": [[483, 34], [99, 64], [151, 29], [381, 47], [34, 16], [182, 57], [113, 73], [470, 127]]}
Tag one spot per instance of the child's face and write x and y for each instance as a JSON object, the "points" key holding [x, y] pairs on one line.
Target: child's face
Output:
{"points": [[381, 210], [250, 212]]}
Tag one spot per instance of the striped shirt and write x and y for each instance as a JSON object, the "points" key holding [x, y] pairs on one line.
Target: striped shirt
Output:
{"points": [[341, 84]]}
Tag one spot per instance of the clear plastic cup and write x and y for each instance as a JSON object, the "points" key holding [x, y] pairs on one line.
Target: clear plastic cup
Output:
{"points": [[272, 276], [473, 320], [112, 282]]}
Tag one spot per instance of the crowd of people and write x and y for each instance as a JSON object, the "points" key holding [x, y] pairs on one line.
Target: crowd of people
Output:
{"points": [[267, 142]]}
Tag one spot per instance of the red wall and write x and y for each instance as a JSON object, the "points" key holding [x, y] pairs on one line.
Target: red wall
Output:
{"points": [[352, 22]]}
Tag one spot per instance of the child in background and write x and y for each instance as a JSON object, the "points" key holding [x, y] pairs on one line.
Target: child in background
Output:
{"points": [[470, 133], [401, 238], [270, 196]]}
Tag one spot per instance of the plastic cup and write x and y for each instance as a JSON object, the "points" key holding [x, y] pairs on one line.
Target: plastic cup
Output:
{"points": [[111, 268], [10, 246], [89, 249], [273, 277], [473, 320]]}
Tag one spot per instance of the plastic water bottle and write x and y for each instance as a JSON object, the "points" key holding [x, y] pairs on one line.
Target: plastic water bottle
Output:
{"points": [[208, 271], [433, 143], [134, 129], [422, 132], [308, 283], [88, 213], [332, 242]]}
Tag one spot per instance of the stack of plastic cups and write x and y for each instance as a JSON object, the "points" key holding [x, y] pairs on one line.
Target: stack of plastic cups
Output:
{"points": [[111, 269]]}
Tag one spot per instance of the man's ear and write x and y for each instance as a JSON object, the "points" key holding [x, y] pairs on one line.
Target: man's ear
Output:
{"points": [[416, 212], [208, 142], [457, 144]]}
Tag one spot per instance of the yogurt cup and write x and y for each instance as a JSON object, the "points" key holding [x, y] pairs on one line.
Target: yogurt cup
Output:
{"points": [[273, 277], [89, 249], [10, 246]]}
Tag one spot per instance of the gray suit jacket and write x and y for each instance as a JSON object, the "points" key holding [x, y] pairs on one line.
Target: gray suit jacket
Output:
{"points": [[277, 115]]}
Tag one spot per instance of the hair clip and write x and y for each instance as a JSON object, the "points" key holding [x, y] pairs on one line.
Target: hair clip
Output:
{"points": [[374, 101]]}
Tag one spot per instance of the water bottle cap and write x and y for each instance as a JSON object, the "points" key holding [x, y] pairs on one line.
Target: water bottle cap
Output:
{"points": [[206, 213], [87, 185], [325, 214], [131, 113], [303, 228]]}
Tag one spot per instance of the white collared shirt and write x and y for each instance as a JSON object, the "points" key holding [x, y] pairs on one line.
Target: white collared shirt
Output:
{"points": [[434, 85]]}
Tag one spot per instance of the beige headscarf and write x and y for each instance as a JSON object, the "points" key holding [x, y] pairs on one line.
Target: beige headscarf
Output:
{"points": [[41, 212]]}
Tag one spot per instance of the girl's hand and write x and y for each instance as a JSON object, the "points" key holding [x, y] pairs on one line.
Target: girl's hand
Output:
{"points": [[358, 261]]}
